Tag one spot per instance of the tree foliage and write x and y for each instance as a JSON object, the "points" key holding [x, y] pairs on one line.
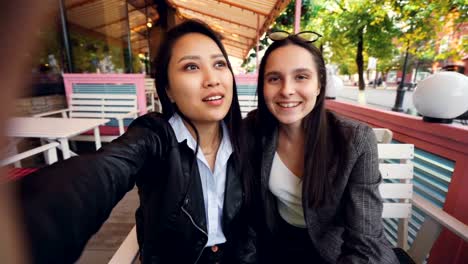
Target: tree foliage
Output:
{"points": [[354, 30], [359, 29]]}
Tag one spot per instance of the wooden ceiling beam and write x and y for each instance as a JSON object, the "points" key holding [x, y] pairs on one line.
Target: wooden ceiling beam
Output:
{"points": [[234, 45], [243, 7], [225, 32], [110, 23], [214, 16], [236, 41], [78, 4], [233, 52]]}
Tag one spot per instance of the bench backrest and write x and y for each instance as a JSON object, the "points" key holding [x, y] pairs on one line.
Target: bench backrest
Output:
{"points": [[396, 169], [101, 105], [85, 83], [247, 103], [399, 175]]}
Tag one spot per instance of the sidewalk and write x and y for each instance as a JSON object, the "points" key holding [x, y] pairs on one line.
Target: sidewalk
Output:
{"points": [[380, 97], [370, 86]]}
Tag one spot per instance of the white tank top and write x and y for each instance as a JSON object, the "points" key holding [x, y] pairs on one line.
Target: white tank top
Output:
{"points": [[288, 191]]}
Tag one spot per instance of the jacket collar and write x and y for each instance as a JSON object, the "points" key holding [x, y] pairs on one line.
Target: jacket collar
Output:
{"points": [[269, 143], [194, 201], [233, 197], [182, 133]]}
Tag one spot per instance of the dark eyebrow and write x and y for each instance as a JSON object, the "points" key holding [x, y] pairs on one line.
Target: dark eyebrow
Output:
{"points": [[295, 71], [194, 57], [302, 70], [272, 73], [217, 56], [189, 57]]}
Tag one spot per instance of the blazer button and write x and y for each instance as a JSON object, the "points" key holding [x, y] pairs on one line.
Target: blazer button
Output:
{"points": [[214, 248], [186, 201]]}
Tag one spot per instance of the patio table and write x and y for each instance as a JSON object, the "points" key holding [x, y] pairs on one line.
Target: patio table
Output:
{"points": [[51, 128]]}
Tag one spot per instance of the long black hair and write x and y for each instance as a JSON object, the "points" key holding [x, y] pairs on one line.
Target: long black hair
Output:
{"points": [[320, 147], [233, 117]]}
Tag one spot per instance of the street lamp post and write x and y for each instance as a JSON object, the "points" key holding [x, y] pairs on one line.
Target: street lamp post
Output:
{"points": [[398, 107]]}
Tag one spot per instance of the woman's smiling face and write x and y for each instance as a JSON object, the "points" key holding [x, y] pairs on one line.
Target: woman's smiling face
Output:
{"points": [[200, 82], [291, 84]]}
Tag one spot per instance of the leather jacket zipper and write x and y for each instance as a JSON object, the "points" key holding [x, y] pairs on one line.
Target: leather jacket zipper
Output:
{"points": [[201, 230]]}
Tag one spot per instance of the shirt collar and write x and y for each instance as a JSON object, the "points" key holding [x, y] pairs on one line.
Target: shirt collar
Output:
{"points": [[182, 133]]}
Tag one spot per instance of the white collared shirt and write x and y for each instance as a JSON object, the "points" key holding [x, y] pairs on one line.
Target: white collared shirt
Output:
{"points": [[213, 182]]}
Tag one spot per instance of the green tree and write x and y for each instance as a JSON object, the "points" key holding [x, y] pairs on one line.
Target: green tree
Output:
{"points": [[362, 25], [285, 22], [420, 23]]}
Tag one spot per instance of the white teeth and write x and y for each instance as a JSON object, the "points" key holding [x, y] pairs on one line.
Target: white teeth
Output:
{"points": [[288, 105], [213, 98]]}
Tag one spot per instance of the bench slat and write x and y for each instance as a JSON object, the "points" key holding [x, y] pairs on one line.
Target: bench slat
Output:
{"points": [[103, 96], [90, 109], [396, 210], [396, 171], [103, 102], [395, 151], [396, 190], [95, 115]]}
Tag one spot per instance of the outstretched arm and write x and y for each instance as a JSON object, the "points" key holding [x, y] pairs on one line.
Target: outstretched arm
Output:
{"points": [[63, 205]]}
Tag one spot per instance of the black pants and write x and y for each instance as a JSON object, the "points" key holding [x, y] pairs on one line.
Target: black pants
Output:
{"points": [[293, 245], [212, 255]]}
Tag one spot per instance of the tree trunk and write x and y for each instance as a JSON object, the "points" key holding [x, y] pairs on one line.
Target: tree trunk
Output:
{"points": [[416, 72], [360, 60]]}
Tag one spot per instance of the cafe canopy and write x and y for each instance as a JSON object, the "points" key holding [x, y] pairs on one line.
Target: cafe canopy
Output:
{"points": [[240, 22]]}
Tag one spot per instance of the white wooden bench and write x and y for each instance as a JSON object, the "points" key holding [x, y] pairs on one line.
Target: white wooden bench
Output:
{"points": [[128, 250], [247, 103], [50, 156], [399, 199], [383, 135], [152, 100], [49, 150], [398, 193], [398, 202], [102, 106]]}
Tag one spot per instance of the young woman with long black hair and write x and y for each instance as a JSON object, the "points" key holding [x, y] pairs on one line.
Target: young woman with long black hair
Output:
{"points": [[185, 163]]}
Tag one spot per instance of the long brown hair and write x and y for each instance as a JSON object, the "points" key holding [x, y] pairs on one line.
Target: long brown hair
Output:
{"points": [[321, 148]]}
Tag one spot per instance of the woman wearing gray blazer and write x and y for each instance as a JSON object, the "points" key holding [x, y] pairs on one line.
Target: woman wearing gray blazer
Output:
{"points": [[315, 174]]}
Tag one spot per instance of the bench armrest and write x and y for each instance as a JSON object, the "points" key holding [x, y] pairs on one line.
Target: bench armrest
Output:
{"points": [[50, 148], [130, 114], [441, 217], [128, 250], [121, 117]]}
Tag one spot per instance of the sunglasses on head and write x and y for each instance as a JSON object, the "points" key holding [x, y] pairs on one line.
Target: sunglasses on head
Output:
{"points": [[307, 36]]}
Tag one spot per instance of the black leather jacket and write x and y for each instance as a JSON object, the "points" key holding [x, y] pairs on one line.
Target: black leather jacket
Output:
{"points": [[66, 203]]}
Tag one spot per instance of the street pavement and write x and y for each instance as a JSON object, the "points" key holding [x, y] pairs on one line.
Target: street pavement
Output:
{"points": [[383, 98]]}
